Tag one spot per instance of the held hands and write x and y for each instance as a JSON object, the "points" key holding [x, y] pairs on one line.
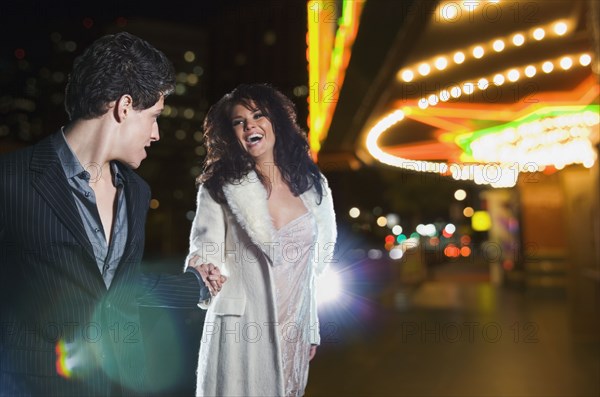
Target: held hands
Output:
{"points": [[211, 275]]}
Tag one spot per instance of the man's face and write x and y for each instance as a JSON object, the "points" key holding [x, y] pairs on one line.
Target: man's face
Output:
{"points": [[139, 130]]}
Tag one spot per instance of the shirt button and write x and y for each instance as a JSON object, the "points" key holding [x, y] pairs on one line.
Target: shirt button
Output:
{"points": [[87, 194], [96, 230]]}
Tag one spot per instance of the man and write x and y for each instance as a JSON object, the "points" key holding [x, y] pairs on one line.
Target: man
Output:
{"points": [[72, 217]]}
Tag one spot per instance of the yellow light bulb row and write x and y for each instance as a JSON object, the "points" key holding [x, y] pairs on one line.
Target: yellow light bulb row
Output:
{"points": [[495, 174], [555, 141], [511, 75], [441, 61], [449, 11], [492, 174], [415, 165], [534, 155]]}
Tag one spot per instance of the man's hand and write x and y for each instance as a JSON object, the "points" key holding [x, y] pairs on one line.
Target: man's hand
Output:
{"points": [[211, 275]]}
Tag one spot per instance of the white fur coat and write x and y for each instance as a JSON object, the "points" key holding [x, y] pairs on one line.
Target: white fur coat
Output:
{"points": [[234, 236]]}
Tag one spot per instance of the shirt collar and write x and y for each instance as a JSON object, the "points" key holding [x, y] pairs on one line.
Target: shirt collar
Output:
{"points": [[118, 177], [71, 165], [68, 160]]}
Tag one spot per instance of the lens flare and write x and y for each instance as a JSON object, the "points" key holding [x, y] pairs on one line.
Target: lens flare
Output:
{"points": [[328, 286], [62, 365]]}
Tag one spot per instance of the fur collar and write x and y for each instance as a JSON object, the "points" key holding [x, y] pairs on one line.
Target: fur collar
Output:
{"points": [[247, 199]]}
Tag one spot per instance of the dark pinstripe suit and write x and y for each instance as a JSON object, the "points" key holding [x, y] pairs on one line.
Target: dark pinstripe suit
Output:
{"points": [[52, 290]]}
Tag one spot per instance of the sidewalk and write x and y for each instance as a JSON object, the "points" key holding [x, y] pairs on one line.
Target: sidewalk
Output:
{"points": [[455, 335]]}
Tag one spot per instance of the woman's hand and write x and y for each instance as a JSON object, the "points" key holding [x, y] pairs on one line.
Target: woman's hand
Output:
{"points": [[313, 352], [211, 275]]}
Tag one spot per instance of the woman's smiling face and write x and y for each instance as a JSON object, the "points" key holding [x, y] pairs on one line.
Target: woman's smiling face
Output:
{"points": [[254, 131]]}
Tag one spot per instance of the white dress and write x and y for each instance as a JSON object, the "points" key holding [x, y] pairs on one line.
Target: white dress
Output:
{"points": [[291, 276], [251, 342]]}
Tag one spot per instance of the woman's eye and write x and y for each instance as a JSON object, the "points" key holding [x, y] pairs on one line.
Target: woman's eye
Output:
{"points": [[258, 115], [237, 122]]}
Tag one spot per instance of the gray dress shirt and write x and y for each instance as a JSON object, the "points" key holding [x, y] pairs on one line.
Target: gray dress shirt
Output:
{"points": [[107, 255]]}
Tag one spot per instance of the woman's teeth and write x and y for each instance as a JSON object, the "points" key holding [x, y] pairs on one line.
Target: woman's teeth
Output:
{"points": [[254, 138]]}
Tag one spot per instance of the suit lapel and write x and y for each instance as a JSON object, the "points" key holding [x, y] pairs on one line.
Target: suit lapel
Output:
{"points": [[49, 179], [136, 212]]}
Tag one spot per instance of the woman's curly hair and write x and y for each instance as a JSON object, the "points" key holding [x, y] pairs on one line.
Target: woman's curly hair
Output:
{"points": [[227, 161]]}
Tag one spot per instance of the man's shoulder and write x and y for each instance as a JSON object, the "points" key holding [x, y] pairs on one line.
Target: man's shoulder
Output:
{"points": [[20, 160], [16, 161], [26, 152], [20, 152]]}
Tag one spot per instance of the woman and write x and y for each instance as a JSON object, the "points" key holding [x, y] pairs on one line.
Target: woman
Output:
{"points": [[265, 220]]}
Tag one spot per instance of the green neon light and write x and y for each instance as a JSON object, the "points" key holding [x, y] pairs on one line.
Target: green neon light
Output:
{"points": [[464, 141]]}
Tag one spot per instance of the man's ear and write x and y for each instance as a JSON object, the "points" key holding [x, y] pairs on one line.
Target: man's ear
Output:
{"points": [[123, 107]]}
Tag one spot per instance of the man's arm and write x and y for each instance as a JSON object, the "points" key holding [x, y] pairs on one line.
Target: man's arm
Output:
{"points": [[183, 290], [202, 278]]}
